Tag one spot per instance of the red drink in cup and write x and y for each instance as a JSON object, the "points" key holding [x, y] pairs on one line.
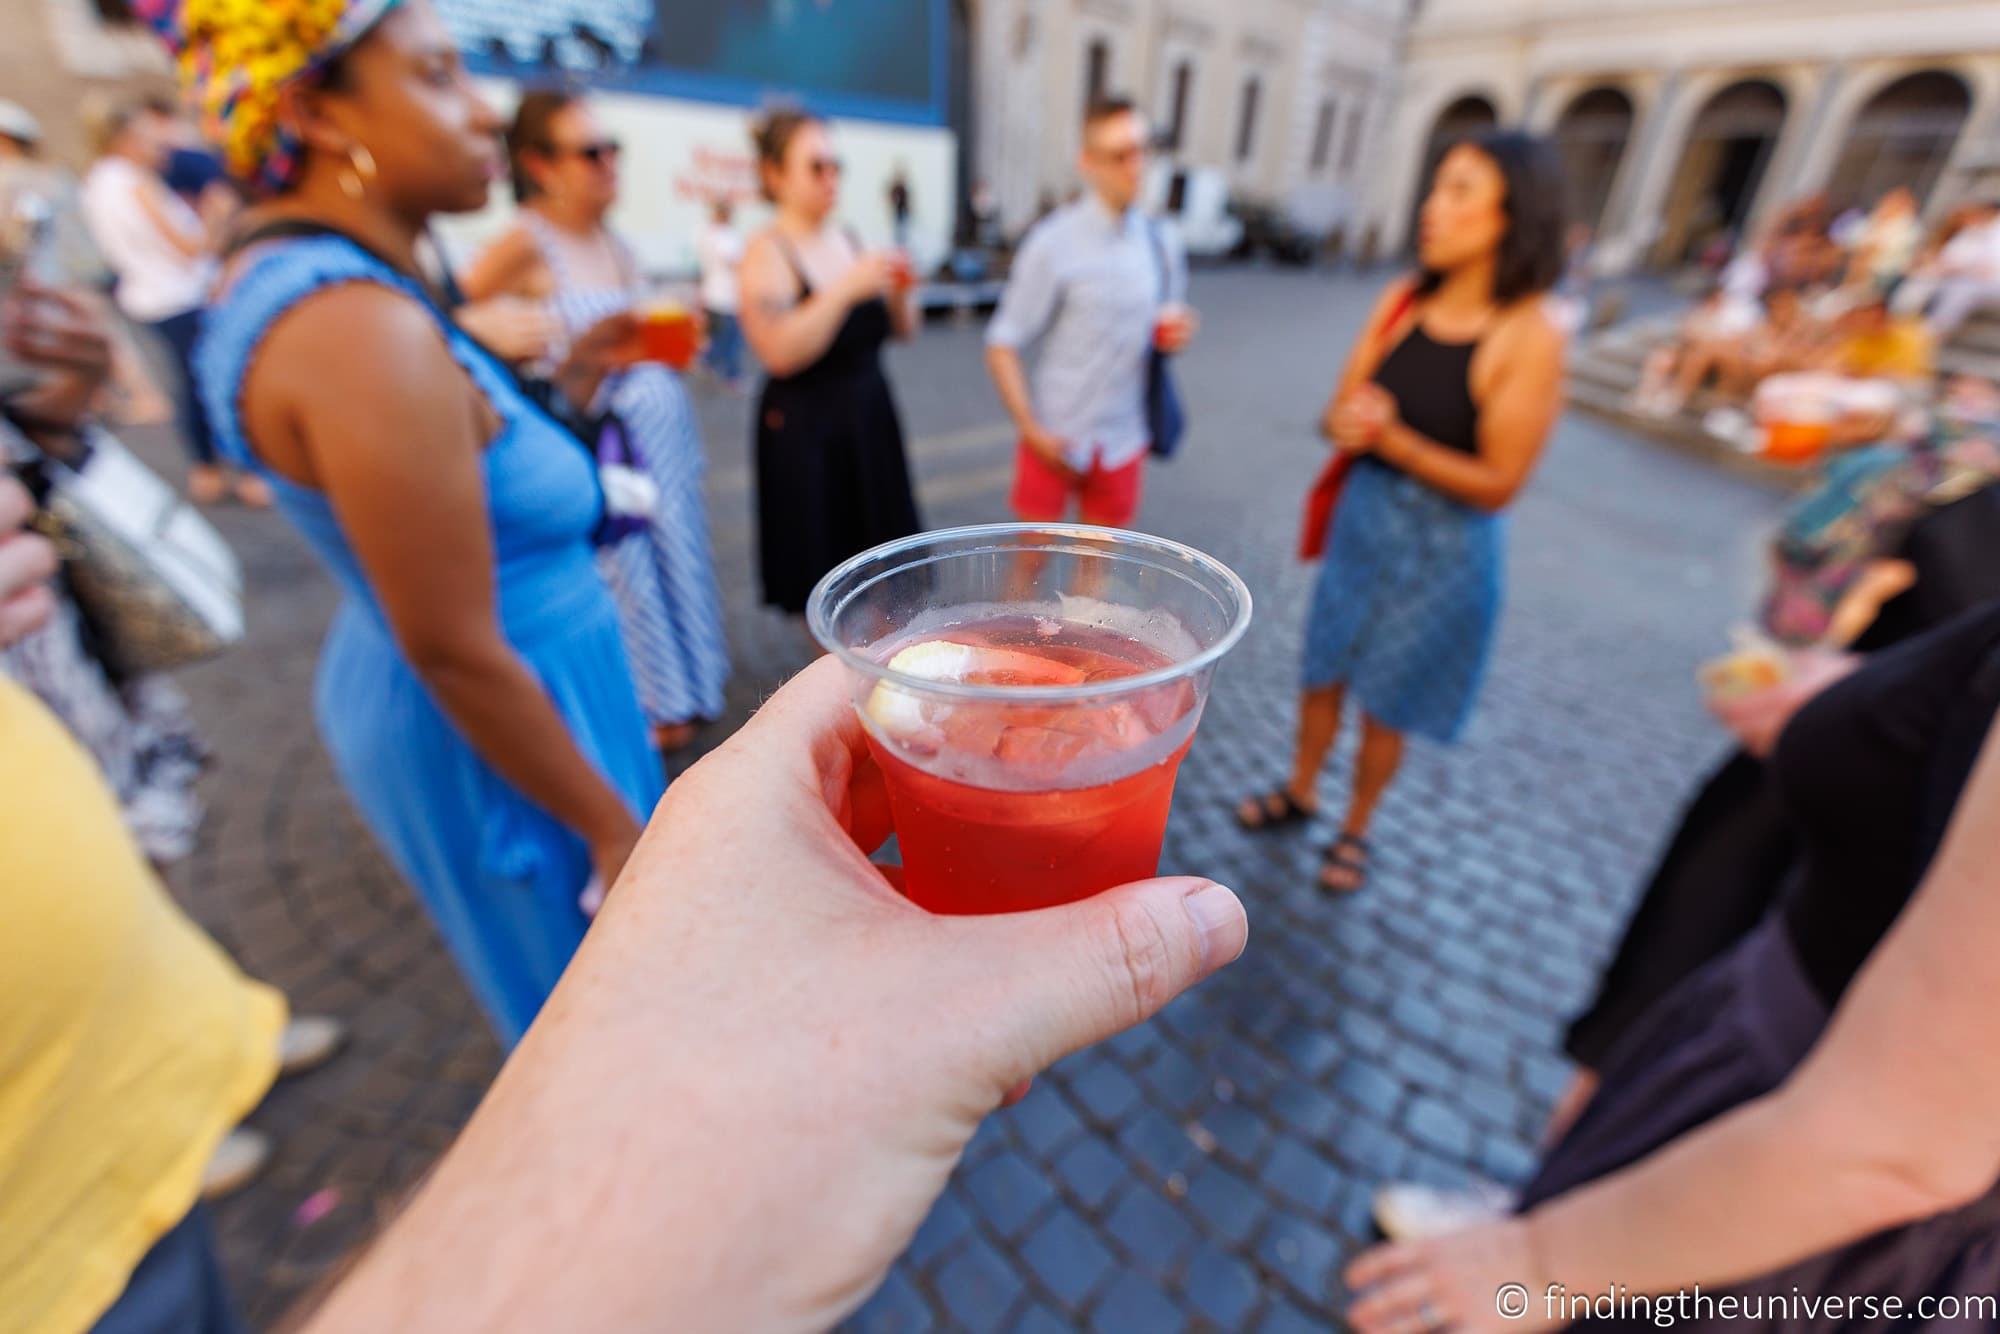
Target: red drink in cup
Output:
{"points": [[1029, 692], [668, 334], [902, 271]]}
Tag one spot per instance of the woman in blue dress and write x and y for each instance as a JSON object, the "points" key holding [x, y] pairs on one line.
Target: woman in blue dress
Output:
{"points": [[561, 253], [473, 690], [1440, 416]]}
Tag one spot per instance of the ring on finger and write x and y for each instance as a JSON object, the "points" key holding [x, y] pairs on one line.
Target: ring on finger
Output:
{"points": [[1427, 1315]]}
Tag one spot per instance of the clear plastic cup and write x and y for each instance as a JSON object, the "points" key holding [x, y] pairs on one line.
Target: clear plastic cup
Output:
{"points": [[1029, 691], [670, 326]]}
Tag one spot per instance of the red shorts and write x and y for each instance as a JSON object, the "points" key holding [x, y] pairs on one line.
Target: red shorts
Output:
{"points": [[1108, 496]]}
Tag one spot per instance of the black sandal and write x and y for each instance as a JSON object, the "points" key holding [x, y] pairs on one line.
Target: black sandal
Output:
{"points": [[1348, 853], [1289, 811]]}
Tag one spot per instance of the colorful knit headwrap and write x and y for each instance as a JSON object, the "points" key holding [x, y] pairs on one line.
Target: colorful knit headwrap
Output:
{"points": [[237, 56]]}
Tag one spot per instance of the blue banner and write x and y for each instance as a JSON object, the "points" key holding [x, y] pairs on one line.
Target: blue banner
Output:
{"points": [[872, 59]]}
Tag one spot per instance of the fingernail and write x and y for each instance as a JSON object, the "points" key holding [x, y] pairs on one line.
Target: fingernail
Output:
{"points": [[1224, 926]]}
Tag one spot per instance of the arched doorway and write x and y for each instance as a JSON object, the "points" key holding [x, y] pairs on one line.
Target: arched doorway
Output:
{"points": [[1728, 149], [1591, 135], [1901, 137], [1469, 115]]}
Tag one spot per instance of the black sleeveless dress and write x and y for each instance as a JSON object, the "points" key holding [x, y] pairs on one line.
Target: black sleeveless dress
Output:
{"points": [[832, 480]]}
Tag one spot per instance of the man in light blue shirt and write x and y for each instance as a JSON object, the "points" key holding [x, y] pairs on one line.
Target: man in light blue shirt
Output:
{"points": [[1102, 285]]}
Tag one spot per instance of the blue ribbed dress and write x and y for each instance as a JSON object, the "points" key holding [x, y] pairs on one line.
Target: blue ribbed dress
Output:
{"points": [[499, 875]]}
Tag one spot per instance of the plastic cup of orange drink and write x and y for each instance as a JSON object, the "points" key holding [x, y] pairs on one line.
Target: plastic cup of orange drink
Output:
{"points": [[669, 332], [1167, 324], [1029, 692], [1796, 441]]}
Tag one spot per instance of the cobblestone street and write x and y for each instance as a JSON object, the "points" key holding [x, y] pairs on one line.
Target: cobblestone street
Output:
{"points": [[1212, 1169]]}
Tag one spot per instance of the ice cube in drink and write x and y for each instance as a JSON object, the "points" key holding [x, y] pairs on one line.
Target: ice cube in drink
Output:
{"points": [[1002, 805]]}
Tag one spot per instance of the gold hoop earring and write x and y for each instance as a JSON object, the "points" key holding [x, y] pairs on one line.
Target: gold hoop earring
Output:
{"points": [[359, 171]]}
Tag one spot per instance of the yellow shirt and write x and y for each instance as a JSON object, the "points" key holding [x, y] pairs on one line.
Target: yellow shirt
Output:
{"points": [[129, 1043], [1900, 351]]}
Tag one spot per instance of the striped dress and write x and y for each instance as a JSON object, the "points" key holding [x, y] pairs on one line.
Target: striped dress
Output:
{"points": [[663, 580]]}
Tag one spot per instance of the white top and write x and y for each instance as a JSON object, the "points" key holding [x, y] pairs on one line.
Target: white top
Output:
{"points": [[719, 252], [1089, 285], [155, 280], [1974, 253]]}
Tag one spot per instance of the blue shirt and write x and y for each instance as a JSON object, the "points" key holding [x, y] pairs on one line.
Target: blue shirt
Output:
{"points": [[1087, 282]]}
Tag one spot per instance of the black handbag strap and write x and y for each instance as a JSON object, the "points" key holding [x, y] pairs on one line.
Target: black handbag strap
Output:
{"points": [[1160, 264], [444, 294], [443, 298]]}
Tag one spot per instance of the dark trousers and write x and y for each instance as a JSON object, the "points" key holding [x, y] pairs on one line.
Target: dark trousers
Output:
{"points": [[177, 1288], [179, 333], [725, 345]]}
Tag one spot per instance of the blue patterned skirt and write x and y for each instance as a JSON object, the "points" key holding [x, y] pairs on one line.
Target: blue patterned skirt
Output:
{"points": [[1407, 601]]}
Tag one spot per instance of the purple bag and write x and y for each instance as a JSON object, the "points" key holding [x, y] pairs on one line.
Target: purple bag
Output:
{"points": [[630, 496]]}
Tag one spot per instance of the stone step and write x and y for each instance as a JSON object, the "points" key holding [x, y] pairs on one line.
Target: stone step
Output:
{"points": [[1596, 369], [1685, 434], [1956, 359], [1979, 334]]}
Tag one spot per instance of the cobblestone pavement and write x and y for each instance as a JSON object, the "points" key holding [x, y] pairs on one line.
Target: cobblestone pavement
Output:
{"points": [[1213, 1168]]}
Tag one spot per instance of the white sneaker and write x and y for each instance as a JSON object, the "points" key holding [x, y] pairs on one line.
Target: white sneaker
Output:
{"points": [[1411, 1213], [237, 1161], [309, 1042], [1733, 427]]}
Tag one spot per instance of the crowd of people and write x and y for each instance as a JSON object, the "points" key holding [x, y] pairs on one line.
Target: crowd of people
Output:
{"points": [[1827, 326], [506, 485]]}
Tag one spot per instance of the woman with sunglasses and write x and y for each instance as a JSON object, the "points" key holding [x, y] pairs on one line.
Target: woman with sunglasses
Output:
{"points": [[816, 308], [473, 691], [562, 254]]}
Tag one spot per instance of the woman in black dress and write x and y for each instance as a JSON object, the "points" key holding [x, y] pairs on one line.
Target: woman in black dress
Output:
{"points": [[831, 477], [1813, 1112]]}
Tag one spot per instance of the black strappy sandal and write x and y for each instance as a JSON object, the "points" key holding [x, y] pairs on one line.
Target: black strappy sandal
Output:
{"points": [[1289, 811], [1348, 853]]}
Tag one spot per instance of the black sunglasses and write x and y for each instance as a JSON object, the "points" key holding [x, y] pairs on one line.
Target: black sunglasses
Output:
{"points": [[596, 154]]}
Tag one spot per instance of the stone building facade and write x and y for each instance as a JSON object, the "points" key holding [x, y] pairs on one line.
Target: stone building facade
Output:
{"points": [[1682, 119], [1286, 98]]}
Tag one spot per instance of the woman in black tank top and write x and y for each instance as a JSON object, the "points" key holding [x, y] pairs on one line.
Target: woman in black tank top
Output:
{"points": [[832, 479], [1440, 416]]}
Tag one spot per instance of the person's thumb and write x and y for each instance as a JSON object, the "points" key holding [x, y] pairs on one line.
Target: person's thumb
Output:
{"points": [[1077, 974]]}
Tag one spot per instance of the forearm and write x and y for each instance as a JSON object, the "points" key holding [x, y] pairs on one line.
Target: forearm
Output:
{"points": [[1752, 1192], [603, 1230], [788, 341], [1469, 478], [602, 1227], [191, 243], [1879, 582], [1004, 364], [502, 710]]}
